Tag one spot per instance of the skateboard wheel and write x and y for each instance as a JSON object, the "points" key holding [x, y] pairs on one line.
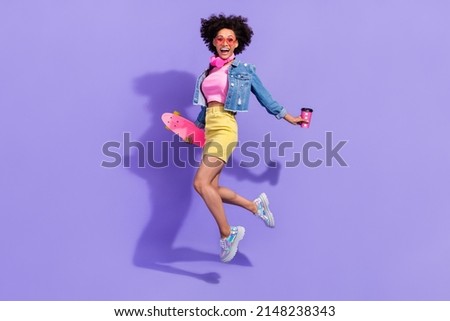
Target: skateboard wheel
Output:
{"points": [[175, 112]]}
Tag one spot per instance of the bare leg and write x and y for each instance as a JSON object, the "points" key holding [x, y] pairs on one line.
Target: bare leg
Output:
{"points": [[231, 197], [209, 170]]}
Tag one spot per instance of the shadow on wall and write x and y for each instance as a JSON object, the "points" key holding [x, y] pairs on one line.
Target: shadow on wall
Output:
{"points": [[170, 187]]}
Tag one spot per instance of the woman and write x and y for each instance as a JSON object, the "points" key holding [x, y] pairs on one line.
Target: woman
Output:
{"points": [[222, 91]]}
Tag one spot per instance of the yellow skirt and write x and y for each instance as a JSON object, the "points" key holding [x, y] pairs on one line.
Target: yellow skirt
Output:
{"points": [[221, 133]]}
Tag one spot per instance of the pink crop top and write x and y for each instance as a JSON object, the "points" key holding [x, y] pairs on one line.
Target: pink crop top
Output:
{"points": [[215, 86]]}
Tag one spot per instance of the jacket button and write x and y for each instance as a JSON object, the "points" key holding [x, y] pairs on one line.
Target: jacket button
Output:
{"points": [[232, 84]]}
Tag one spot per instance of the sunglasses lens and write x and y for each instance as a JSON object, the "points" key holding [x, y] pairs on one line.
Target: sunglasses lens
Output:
{"points": [[220, 40]]}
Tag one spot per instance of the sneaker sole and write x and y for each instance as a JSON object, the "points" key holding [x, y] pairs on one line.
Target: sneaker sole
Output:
{"points": [[240, 235], [265, 201]]}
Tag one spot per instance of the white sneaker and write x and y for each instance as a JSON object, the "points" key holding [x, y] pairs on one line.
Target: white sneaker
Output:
{"points": [[229, 245], [263, 211]]}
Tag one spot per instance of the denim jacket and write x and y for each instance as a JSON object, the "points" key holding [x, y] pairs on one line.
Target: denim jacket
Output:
{"points": [[242, 80]]}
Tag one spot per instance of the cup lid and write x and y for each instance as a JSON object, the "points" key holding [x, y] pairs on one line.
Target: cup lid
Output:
{"points": [[307, 109]]}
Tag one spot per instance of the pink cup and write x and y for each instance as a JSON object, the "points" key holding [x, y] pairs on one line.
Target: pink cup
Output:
{"points": [[306, 114]]}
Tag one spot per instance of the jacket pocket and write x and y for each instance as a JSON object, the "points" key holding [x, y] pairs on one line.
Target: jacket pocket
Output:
{"points": [[243, 86]]}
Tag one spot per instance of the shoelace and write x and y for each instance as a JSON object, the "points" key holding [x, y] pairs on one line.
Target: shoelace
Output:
{"points": [[224, 244], [261, 211]]}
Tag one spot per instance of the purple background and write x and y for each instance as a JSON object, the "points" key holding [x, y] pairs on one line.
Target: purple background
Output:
{"points": [[76, 74]]}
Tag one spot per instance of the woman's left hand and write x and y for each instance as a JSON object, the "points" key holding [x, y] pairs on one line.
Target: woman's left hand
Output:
{"points": [[295, 120]]}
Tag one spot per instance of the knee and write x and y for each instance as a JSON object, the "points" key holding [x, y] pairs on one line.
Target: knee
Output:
{"points": [[198, 185]]}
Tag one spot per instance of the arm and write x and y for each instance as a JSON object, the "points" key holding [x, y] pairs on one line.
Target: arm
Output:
{"points": [[273, 107], [200, 100], [294, 120], [200, 121], [265, 98]]}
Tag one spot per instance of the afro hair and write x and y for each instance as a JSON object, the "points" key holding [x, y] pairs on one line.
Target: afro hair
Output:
{"points": [[211, 26]]}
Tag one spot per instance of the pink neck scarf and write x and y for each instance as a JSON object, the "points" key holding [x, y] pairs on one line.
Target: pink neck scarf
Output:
{"points": [[219, 62]]}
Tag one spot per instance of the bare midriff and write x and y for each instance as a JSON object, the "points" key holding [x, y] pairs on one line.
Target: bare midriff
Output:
{"points": [[215, 104]]}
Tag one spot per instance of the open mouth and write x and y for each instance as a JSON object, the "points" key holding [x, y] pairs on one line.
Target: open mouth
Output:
{"points": [[224, 50]]}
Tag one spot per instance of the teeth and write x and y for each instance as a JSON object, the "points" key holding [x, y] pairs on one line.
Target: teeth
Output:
{"points": [[225, 49]]}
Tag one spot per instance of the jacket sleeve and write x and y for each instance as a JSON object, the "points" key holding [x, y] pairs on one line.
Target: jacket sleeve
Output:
{"points": [[200, 122], [265, 98]]}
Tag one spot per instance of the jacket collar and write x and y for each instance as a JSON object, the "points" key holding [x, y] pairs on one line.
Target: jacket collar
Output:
{"points": [[235, 63]]}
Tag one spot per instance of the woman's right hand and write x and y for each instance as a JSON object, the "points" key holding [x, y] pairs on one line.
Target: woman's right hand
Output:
{"points": [[189, 139]]}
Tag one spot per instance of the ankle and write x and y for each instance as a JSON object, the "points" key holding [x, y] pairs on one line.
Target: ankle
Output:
{"points": [[253, 208], [224, 233]]}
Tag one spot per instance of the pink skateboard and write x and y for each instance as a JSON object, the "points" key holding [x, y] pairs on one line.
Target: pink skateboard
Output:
{"points": [[184, 128]]}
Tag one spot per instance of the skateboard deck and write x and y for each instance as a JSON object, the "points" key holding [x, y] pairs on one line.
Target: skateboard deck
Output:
{"points": [[184, 128]]}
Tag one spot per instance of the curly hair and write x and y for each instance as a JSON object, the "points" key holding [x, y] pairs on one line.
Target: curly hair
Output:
{"points": [[211, 26]]}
